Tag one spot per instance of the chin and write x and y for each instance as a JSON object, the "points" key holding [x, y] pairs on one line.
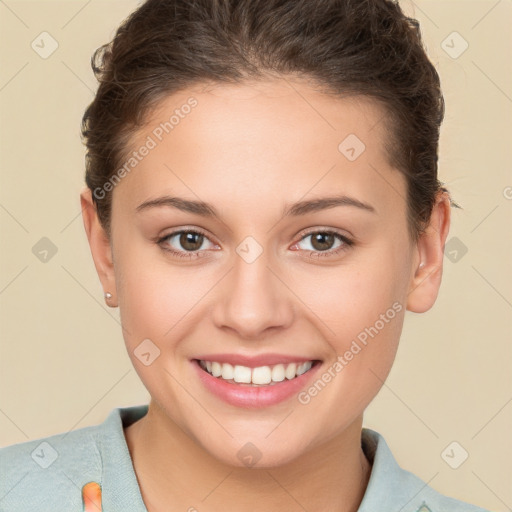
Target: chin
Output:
{"points": [[257, 454]]}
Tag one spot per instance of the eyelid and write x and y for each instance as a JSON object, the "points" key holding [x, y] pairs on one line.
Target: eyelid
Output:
{"points": [[347, 241], [325, 229], [186, 229], [301, 235]]}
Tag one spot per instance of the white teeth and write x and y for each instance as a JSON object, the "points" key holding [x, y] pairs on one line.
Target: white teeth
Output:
{"points": [[303, 368], [278, 373], [228, 372], [242, 374], [291, 371], [216, 369], [262, 375]]}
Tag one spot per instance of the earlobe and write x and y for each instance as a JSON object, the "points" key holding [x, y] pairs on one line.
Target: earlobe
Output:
{"points": [[426, 278], [100, 246]]}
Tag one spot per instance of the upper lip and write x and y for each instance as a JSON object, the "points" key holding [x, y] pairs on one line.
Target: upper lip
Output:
{"points": [[254, 361]]}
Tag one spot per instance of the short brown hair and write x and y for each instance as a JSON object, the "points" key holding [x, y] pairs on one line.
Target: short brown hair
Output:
{"points": [[348, 47]]}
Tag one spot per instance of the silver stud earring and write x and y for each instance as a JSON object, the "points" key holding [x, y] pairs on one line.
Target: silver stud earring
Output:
{"points": [[108, 295], [422, 264]]}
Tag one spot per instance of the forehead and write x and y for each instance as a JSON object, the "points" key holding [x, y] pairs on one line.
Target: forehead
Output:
{"points": [[275, 139]]}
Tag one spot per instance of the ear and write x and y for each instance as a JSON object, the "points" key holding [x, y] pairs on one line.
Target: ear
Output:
{"points": [[99, 243], [425, 282]]}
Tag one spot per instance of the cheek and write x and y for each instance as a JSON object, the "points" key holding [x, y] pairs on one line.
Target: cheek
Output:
{"points": [[153, 295], [161, 301], [349, 298], [363, 331], [362, 356], [362, 308], [156, 310]]}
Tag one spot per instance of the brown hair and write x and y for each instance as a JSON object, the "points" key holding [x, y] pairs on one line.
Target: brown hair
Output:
{"points": [[346, 47]]}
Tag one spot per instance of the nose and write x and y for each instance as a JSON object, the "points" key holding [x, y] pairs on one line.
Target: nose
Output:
{"points": [[254, 299]]}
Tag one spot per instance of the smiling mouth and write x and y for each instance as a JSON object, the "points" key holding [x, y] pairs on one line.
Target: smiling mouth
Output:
{"points": [[259, 376]]}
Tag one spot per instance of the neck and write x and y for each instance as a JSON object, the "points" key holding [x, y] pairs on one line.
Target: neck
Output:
{"points": [[174, 472]]}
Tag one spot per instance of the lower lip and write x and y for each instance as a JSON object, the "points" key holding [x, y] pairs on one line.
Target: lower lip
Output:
{"points": [[252, 397]]}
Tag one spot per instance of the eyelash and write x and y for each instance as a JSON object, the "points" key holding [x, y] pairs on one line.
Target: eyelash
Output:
{"points": [[347, 243]]}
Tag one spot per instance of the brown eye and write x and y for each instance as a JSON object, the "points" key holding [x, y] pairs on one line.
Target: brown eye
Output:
{"points": [[185, 243], [190, 240], [323, 243]]}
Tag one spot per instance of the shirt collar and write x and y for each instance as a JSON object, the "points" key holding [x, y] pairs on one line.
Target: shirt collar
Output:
{"points": [[389, 486], [119, 486]]}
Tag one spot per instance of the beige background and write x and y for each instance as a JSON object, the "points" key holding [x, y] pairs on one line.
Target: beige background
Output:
{"points": [[63, 361]]}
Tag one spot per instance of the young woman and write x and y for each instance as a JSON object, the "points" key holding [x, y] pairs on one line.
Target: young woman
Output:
{"points": [[263, 206]]}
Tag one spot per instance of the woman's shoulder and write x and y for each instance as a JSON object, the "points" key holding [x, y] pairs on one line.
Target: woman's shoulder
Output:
{"points": [[48, 473], [393, 488]]}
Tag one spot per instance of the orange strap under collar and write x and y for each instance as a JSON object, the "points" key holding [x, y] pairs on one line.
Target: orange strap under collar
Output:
{"points": [[91, 496]]}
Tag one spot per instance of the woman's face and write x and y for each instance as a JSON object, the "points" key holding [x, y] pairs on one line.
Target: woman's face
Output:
{"points": [[259, 283]]}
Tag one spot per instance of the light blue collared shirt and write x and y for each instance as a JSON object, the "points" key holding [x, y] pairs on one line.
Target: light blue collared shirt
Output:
{"points": [[48, 474]]}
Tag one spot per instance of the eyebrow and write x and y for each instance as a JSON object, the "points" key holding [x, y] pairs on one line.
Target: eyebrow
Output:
{"points": [[296, 209]]}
